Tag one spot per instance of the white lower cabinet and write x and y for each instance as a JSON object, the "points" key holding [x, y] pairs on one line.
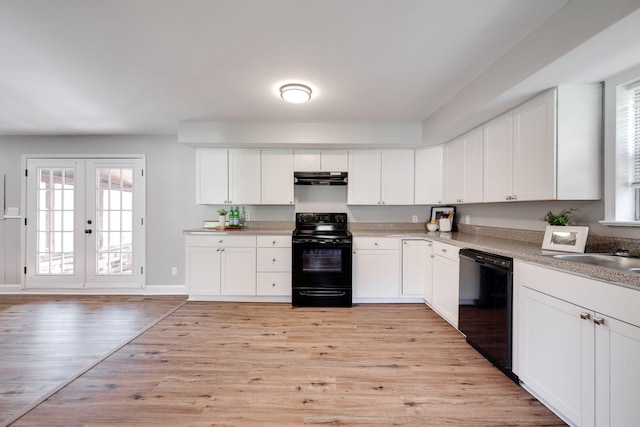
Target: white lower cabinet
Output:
{"points": [[416, 267], [579, 343], [274, 266], [446, 265], [376, 268], [220, 265]]}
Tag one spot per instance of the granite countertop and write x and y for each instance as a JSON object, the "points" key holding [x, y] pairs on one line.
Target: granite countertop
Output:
{"points": [[523, 250]]}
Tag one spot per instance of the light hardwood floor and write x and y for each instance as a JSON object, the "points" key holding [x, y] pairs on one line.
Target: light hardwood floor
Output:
{"points": [[46, 341], [272, 365]]}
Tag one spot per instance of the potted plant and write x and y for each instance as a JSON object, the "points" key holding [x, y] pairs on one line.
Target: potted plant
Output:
{"points": [[222, 217], [562, 218]]}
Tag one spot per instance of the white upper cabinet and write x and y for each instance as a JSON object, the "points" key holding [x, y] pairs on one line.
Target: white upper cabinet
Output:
{"points": [[498, 159], [463, 168], [211, 177], [277, 177], [429, 174], [380, 177], [321, 160], [364, 177], [397, 185], [546, 149], [534, 149], [244, 177], [227, 176]]}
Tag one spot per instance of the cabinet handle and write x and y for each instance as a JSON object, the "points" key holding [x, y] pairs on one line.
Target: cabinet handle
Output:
{"points": [[444, 251], [218, 250], [383, 202], [460, 200], [273, 285], [432, 256], [439, 201], [219, 241], [598, 320], [222, 250], [274, 260], [375, 244], [514, 197], [585, 316], [508, 197], [274, 243]]}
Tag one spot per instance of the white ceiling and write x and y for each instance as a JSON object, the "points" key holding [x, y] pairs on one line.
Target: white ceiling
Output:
{"points": [[141, 66]]}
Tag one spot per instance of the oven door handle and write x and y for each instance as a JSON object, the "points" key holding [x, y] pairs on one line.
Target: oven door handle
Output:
{"points": [[322, 293]]}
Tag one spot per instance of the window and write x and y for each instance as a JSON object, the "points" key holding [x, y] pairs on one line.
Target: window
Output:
{"points": [[628, 146], [622, 149]]}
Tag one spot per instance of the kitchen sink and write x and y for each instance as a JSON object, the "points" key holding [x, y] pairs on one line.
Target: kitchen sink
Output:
{"points": [[615, 262]]}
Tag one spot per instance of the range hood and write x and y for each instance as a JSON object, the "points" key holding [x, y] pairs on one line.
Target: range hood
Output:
{"points": [[320, 178]]}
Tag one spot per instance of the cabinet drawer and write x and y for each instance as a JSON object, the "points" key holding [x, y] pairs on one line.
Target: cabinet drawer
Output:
{"points": [[222, 240], [274, 259], [447, 251], [375, 243], [274, 241], [274, 284]]}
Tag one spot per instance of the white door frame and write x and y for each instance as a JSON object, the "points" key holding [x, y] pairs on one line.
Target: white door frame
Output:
{"points": [[23, 235]]}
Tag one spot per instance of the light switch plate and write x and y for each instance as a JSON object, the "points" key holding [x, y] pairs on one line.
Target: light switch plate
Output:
{"points": [[13, 211]]}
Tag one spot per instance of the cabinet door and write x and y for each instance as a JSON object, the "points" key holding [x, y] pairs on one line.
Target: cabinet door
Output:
{"points": [[211, 177], [534, 149], [415, 270], [454, 171], [203, 270], [473, 166], [334, 160], [429, 174], [557, 355], [306, 160], [445, 288], [244, 177], [364, 177], [277, 177], [397, 177], [498, 159], [617, 375], [238, 275], [428, 283], [274, 284], [376, 273], [274, 259]]}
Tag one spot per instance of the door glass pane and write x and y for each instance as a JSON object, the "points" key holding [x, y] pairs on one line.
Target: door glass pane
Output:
{"points": [[114, 210], [55, 217]]}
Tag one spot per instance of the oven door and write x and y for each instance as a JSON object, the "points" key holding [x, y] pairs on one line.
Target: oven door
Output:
{"points": [[319, 263]]}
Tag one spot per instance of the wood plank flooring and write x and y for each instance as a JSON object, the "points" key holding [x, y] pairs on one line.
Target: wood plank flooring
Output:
{"points": [[240, 364], [45, 341]]}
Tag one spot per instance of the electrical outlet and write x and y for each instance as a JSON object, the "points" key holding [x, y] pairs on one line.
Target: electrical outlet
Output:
{"points": [[247, 216], [415, 218], [174, 271], [467, 219]]}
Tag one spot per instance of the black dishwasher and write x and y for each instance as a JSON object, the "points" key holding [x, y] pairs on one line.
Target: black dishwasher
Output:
{"points": [[486, 306]]}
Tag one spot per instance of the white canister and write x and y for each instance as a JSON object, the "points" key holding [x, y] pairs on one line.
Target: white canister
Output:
{"points": [[445, 224]]}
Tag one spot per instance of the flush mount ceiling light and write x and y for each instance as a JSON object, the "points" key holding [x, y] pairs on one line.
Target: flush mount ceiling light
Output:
{"points": [[295, 93]]}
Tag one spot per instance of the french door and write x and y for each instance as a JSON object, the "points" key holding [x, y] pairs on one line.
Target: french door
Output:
{"points": [[85, 223]]}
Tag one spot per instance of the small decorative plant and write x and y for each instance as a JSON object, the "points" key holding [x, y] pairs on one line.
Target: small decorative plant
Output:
{"points": [[562, 218], [222, 212]]}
